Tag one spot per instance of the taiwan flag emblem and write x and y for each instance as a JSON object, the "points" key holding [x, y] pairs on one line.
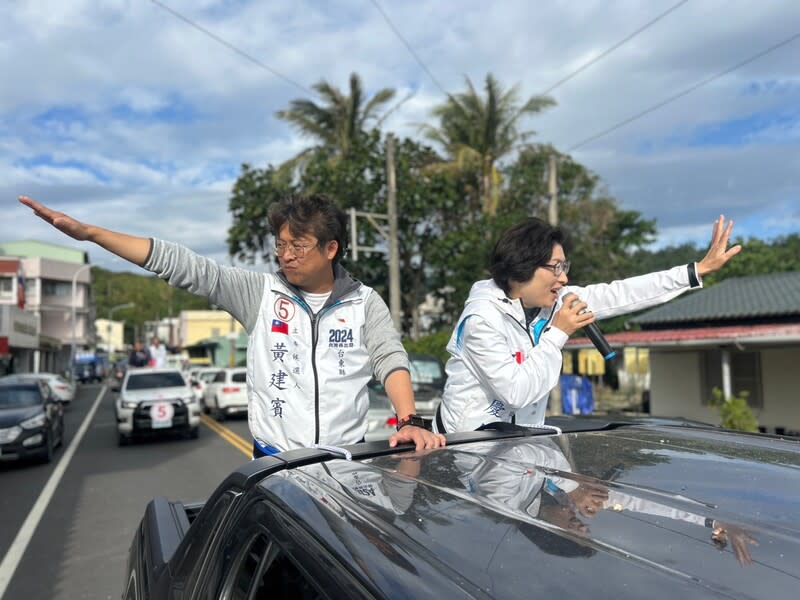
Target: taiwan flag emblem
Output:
{"points": [[279, 326]]}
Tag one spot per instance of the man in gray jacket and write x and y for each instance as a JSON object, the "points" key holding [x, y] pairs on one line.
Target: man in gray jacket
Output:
{"points": [[316, 335]]}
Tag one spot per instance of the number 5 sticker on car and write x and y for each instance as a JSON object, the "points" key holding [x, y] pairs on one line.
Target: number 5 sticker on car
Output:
{"points": [[161, 415]]}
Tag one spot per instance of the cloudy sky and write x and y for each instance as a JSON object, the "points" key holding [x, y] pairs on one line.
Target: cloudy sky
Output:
{"points": [[122, 114]]}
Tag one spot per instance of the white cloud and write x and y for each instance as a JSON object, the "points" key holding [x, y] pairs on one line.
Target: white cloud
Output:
{"points": [[149, 119]]}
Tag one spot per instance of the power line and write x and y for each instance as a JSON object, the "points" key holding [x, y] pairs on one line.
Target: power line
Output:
{"points": [[684, 92], [407, 45], [230, 46], [602, 55]]}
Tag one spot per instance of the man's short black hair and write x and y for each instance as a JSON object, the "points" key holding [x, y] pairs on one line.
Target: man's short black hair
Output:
{"points": [[521, 249], [315, 214]]}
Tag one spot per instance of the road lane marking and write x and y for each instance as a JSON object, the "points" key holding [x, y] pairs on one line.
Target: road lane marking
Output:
{"points": [[20, 543], [229, 436]]}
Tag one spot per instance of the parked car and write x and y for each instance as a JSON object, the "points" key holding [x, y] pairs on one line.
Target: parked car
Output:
{"points": [[428, 379], [598, 509], [31, 419], [152, 401], [381, 418], [226, 394], [199, 378], [63, 388]]}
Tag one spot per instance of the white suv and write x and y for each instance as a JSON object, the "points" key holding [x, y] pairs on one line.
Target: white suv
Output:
{"points": [[156, 400], [226, 394], [200, 377]]}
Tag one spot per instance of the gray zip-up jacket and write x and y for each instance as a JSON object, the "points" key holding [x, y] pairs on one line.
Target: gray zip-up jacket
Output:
{"points": [[307, 373]]}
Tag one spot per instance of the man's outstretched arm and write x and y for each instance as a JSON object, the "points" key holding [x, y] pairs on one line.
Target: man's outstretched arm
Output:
{"points": [[130, 247]]}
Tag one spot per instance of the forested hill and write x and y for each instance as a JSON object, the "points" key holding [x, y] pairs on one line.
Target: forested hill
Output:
{"points": [[152, 297]]}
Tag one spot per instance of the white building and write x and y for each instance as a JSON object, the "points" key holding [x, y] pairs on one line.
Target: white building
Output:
{"points": [[57, 291]]}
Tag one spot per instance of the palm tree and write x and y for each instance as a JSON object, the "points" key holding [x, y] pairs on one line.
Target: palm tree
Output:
{"points": [[339, 120], [476, 132]]}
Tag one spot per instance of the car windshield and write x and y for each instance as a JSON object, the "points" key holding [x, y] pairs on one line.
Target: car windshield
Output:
{"points": [[378, 400], [425, 370], [146, 381], [19, 395], [239, 377], [208, 376]]}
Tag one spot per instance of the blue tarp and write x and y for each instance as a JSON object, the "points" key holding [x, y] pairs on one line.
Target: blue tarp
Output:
{"points": [[576, 395]]}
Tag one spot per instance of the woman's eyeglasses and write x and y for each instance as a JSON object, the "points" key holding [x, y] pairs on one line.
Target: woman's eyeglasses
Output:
{"points": [[558, 268]]}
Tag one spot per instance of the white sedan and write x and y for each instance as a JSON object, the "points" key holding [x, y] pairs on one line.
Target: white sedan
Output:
{"points": [[63, 389]]}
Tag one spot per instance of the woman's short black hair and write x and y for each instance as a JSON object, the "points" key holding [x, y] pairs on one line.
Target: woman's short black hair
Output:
{"points": [[521, 249], [315, 214]]}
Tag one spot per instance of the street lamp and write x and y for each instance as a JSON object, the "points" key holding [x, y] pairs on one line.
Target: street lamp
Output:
{"points": [[74, 303], [111, 312]]}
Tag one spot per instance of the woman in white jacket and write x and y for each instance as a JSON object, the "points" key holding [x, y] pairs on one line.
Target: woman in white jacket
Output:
{"points": [[506, 347]]}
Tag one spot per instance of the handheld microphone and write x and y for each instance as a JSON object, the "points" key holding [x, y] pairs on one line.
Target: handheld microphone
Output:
{"points": [[600, 342]]}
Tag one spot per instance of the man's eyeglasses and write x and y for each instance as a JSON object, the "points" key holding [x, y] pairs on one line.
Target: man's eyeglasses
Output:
{"points": [[298, 250], [558, 268]]}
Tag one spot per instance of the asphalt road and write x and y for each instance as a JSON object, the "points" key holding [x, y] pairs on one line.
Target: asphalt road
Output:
{"points": [[77, 542]]}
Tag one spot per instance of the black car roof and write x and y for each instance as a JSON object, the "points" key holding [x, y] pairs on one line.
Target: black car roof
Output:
{"points": [[491, 513]]}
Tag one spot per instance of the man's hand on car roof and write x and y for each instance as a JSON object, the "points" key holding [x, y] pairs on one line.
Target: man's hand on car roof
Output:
{"points": [[419, 436]]}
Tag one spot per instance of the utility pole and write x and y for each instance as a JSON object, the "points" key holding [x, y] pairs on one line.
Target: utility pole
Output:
{"points": [[394, 253], [552, 190], [231, 335], [389, 233], [552, 218]]}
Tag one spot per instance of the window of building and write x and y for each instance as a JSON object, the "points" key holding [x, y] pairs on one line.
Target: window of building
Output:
{"points": [[6, 287], [745, 375], [61, 289]]}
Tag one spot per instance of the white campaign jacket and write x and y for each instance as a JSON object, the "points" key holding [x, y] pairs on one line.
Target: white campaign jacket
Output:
{"points": [[499, 369], [306, 377], [299, 356]]}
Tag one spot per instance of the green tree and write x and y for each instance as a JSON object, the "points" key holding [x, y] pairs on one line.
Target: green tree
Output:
{"points": [[426, 203], [340, 120], [758, 257], [664, 258], [603, 238], [253, 193], [478, 131], [434, 343], [153, 299]]}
